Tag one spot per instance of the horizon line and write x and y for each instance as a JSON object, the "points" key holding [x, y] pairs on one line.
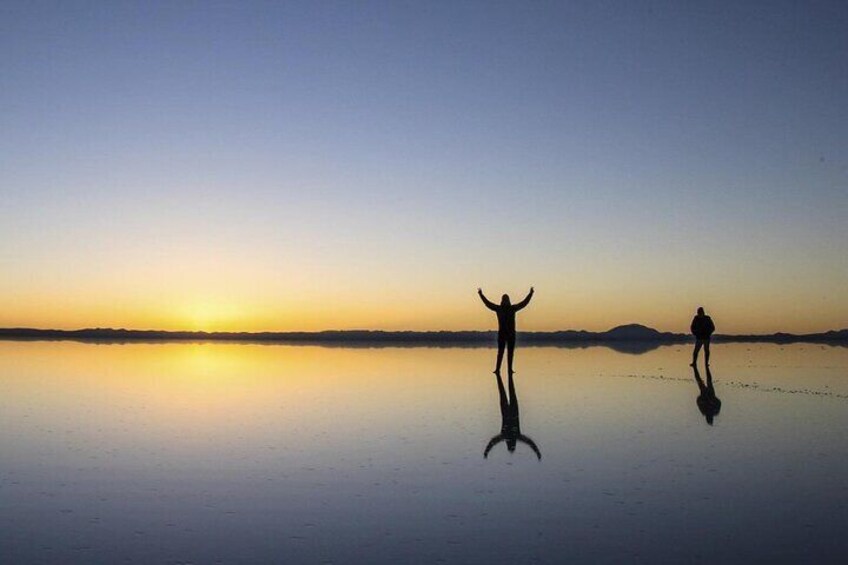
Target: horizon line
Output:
{"points": [[633, 325]]}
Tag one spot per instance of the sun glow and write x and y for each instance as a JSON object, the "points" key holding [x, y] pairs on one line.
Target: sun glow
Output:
{"points": [[211, 315]]}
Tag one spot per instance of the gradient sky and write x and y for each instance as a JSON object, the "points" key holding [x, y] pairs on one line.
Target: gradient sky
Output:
{"points": [[315, 165]]}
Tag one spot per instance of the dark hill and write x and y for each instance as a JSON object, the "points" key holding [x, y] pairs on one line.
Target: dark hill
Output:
{"points": [[634, 332]]}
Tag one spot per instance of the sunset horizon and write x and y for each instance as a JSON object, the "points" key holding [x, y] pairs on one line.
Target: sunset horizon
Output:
{"points": [[681, 327]]}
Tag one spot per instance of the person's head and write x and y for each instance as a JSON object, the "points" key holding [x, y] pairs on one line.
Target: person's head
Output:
{"points": [[505, 300], [510, 442], [700, 310]]}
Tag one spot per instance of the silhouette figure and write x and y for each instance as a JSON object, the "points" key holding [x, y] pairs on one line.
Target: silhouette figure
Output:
{"points": [[707, 402], [506, 325], [510, 426], [702, 328]]}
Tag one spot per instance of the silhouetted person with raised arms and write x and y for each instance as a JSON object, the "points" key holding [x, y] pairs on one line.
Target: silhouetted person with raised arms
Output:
{"points": [[708, 403], [506, 325], [510, 425], [702, 328]]}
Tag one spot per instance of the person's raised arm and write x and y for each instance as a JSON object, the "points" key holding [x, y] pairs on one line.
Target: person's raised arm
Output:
{"points": [[492, 443], [532, 445], [489, 304], [526, 301]]}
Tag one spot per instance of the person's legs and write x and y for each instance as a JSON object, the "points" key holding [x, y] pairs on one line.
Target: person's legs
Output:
{"points": [[695, 353], [707, 351], [501, 344], [510, 352]]}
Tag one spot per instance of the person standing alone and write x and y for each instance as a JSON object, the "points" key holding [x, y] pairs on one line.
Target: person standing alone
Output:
{"points": [[506, 325], [702, 328]]}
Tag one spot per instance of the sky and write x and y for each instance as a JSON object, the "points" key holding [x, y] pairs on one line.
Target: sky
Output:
{"points": [[320, 165]]}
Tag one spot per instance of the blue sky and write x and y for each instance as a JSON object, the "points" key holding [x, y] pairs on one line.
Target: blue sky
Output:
{"points": [[631, 160]]}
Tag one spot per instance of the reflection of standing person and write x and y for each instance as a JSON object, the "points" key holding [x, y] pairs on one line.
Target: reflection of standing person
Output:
{"points": [[510, 425], [702, 328], [708, 403], [506, 325]]}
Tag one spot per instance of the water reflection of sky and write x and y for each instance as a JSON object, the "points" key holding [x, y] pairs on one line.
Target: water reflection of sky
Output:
{"points": [[251, 453]]}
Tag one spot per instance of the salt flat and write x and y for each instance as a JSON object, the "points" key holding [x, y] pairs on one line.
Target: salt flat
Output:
{"points": [[244, 453]]}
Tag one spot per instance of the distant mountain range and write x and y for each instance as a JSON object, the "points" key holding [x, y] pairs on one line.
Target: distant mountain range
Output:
{"points": [[630, 337]]}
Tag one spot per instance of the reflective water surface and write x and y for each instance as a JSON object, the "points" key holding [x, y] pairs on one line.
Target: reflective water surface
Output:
{"points": [[241, 453]]}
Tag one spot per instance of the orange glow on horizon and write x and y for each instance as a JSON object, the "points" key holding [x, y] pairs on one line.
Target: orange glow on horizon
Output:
{"points": [[546, 313]]}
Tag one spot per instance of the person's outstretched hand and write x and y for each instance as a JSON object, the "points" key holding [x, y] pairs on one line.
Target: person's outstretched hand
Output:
{"points": [[479, 290], [532, 290]]}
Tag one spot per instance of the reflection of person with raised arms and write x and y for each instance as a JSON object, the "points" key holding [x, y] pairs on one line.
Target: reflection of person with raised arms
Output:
{"points": [[510, 425], [506, 325]]}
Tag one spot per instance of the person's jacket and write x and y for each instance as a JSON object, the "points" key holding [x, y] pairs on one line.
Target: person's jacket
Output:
{"points": [[702, 327], [506, 314]]}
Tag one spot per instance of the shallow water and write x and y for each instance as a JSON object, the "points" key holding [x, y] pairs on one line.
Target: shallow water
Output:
{"points": [[242, 453]]}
